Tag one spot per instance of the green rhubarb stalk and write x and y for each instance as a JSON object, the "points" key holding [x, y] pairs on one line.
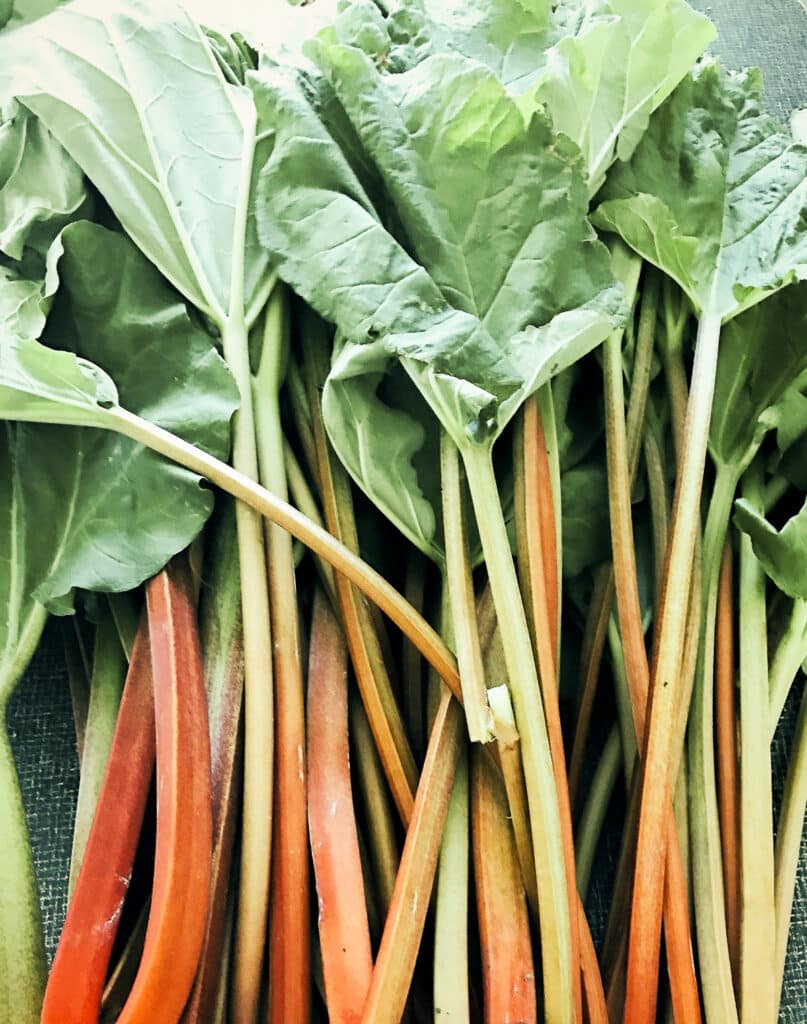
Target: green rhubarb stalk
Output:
{"points": [[788, 842], [627, 730], [507, 742], [256, 839], [707, 858], [23, 966], [303, 499], [451, 973], [382, 841], [78, 675], [411, 662], [592, 817], [558, 969], [459, 584], [787, 660], [289, 990], [758, 995], [106, 688]]}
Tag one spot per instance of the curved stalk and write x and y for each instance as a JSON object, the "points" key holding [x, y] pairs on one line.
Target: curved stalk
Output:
{"points": [[344, 561]]}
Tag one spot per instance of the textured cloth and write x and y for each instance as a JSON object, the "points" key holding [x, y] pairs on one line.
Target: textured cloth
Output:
{"points": [[772, 35]]}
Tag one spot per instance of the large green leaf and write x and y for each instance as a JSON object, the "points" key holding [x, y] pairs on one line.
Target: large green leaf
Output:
{"points": [[41, 187], [783, 553], [715, 194], [488, 282], [134, 93], [507, 283], [102, 512], [600, 68], [762, 351]]}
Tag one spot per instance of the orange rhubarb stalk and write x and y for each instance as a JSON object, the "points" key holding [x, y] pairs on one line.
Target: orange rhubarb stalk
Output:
{"points": [[508, 969], [344, 932]]}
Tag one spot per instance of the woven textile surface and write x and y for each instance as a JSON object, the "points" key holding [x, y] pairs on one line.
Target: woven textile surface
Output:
{"points": [[772, 35]]}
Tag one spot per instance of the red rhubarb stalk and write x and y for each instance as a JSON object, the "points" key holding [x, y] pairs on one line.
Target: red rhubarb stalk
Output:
{"points": [[79, 969], [181, 885], [727, 758]]}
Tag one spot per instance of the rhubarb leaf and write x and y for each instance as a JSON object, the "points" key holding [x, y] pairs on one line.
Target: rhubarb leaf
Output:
{"points": [[762, 351], [41, 187], [135, 94], [110, 512], [600, 69], [715, 194], [507, 284], [783, 553]]}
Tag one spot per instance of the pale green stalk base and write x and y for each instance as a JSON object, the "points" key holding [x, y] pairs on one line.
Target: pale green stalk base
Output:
{"points": [[558, 969], [707, 859], [758, 994], [788, 841], [592, 818], [451, 910], [23, 967], [106, 689]]}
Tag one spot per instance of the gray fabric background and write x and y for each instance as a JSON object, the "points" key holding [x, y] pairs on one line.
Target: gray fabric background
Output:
{"points": [[773, 35]]}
